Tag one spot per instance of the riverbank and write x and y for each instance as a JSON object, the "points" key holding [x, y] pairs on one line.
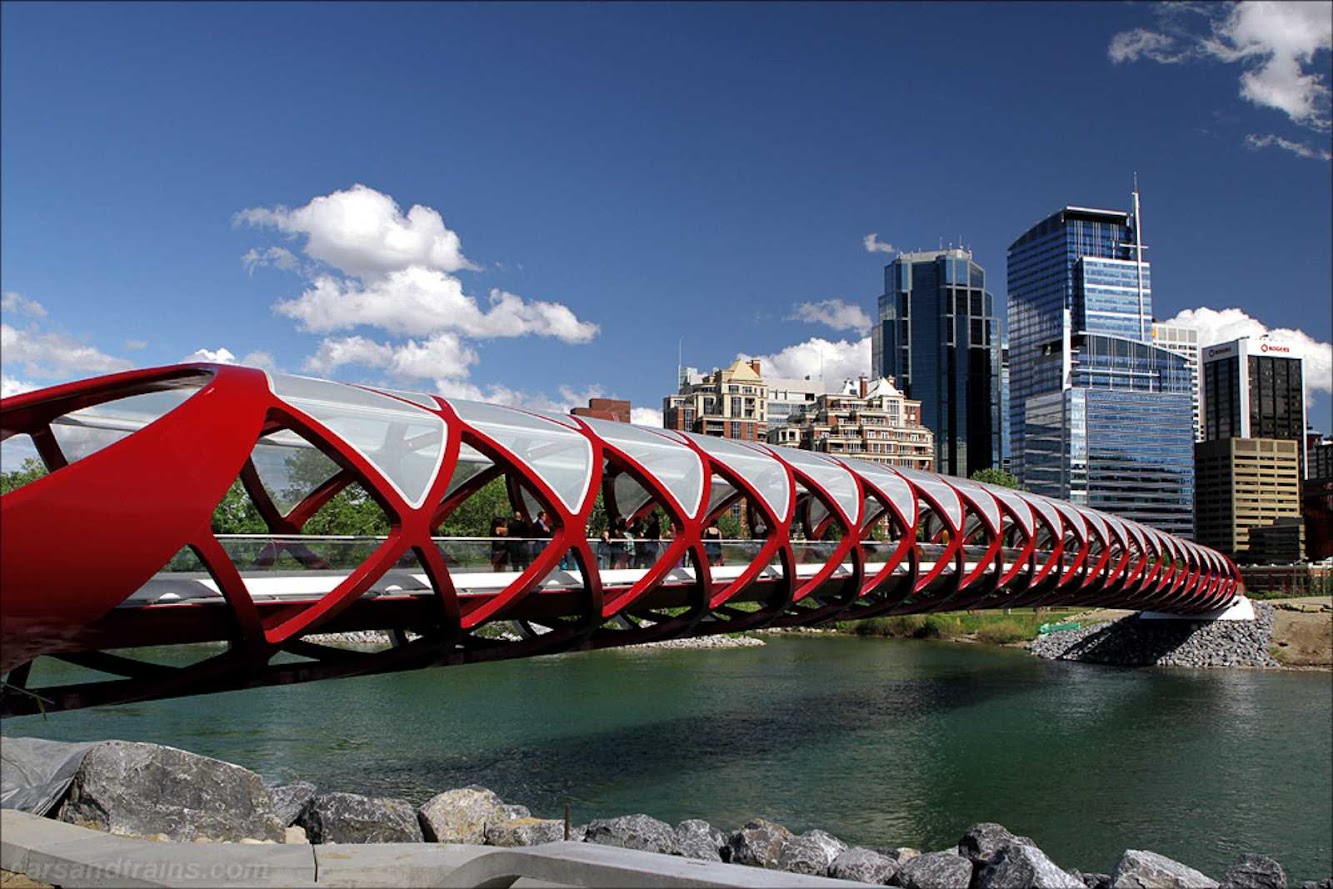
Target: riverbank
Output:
{"points": [[1299, 634], [149, 791]]}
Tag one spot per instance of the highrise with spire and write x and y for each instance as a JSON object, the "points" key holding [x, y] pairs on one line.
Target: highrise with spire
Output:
{"points": [[1100, 414]]}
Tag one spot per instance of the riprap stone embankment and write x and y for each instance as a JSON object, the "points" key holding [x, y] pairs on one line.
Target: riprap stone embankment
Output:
{"points": [[1133, 642]]}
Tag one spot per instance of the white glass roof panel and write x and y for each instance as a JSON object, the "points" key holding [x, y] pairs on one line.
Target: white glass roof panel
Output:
{"points": [[1093, 518], [418, 398], [1118, 533], [939, 491], [676, 466], [836, 480], [1020, 507], [981, 499], [901, 494], [1073, 517], [405, 444], [721, 490], [559, 456], [630, 495], [765, 474], [1046, 511]]}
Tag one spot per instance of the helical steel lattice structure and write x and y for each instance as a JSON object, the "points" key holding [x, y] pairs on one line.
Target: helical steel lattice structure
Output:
{"points": [[115, 546]]}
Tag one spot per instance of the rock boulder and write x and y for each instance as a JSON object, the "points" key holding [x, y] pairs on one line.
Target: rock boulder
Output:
{"points": [[289, 800], [696, 838], [759, 843], [135, 789], [1139, 869], [352, 818], [982, 841], [461, 816], [1018, 865], [863, 866], [633, 832], [935, 870], [525, 832], [810, 853], [1255, 872]]}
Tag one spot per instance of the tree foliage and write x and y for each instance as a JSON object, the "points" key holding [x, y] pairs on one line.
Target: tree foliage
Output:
{"points": [[31, 470], [996, 477]]}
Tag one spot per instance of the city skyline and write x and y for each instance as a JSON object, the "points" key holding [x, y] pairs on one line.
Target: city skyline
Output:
{"points": [[552, 206]]}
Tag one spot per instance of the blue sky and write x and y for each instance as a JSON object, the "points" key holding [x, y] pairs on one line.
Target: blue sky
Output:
{"points": [[614, 180]]}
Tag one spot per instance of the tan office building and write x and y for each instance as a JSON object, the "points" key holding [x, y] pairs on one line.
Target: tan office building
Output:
{"points": [[871, 422], [1247, 498]]}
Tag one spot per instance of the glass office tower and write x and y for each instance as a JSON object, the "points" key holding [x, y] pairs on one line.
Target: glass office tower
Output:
{"points": [[1099, 414], [936, 334]]}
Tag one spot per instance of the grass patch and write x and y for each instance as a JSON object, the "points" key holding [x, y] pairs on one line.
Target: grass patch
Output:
{"points": [[994, 627]]}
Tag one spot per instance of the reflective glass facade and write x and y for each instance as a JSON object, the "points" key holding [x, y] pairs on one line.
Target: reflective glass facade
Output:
{"points": [[937, 335], [1099, 414]]}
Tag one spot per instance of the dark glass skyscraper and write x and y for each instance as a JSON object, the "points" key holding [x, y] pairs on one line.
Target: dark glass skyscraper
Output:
{"points": [[1099, 414], [937, 335]]}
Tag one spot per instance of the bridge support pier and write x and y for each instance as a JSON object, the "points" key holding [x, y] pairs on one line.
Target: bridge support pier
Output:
{"points": [[1241, 609]]}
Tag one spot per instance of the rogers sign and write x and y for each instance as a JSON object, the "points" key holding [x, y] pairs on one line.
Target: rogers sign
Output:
{"points": [[1274, 347]]}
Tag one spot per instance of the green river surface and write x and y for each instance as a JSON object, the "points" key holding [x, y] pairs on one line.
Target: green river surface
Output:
{"points": [[882, 743]]}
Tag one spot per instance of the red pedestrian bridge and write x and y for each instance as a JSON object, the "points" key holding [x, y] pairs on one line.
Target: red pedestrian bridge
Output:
{"points": [[116, 548]]}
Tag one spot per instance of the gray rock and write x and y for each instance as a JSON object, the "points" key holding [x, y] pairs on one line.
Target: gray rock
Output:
{"points": [[982, 841], [290, 799], [900, 854], [1255, 872], [352, 818], [461, 816], [863, 866], [759, 843], [1019, 866], [525, 832], [1094, 881], [810, 853], [1138, 869], [935, 870], [696, 838], [516, 811], [633, 832], [136, 789]]}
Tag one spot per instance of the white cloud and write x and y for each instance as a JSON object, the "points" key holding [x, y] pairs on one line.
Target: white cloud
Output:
{"points": [[364, 233], [836, 361], [1228, 324], [224, 355], [1276, 44], [567, 399], [1257, 142], [874, 245], [1130, 46], [835, 313], [420, 301], [438, 358], [21, 305], [277, 257], [645, 416], [136, 345], [13, 386], [51, 354]]}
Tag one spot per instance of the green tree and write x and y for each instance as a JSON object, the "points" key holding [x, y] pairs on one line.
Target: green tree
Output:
{"points": [[473, 516], [31, 470], [995, 477], [237, 514]]}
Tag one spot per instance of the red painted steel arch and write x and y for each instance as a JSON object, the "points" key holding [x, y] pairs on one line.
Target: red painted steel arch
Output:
{"points": [[843, 538]]}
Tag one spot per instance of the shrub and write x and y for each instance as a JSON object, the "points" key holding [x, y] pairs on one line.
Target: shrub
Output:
{"points": [[1002, 632]]}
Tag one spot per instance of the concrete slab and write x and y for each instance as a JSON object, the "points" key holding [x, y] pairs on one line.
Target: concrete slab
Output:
{"points": [[70, 856], [390, 864], [596, 866]]}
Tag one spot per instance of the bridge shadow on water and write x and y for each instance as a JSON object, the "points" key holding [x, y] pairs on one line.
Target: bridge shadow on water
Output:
{"points": [[743, 744]]}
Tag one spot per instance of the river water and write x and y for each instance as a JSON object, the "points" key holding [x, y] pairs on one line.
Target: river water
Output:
{"points": [[882, 743]]}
